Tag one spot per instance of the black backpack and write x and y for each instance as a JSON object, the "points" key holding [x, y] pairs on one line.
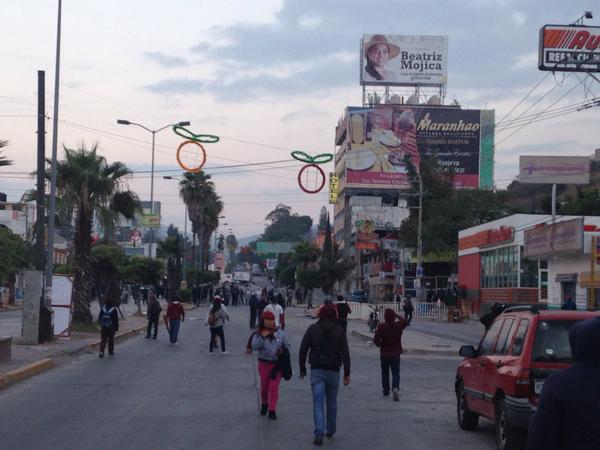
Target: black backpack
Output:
{"points": [[106, 319]]}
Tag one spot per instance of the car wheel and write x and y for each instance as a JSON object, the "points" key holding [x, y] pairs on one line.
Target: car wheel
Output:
{"points": [[467, 420], [507, 437]]}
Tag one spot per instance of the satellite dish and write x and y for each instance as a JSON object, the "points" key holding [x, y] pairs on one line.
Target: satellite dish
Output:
{"points": [[434, 100], [413, 100]]}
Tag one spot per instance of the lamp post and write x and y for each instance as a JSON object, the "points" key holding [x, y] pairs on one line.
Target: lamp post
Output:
{"points": [[127, 122]]}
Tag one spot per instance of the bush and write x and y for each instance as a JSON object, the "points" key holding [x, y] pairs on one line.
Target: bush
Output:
{"points": [[185, 295]]}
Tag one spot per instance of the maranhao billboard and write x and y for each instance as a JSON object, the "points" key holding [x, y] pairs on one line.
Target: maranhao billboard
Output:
{"points": [[381, 138]]}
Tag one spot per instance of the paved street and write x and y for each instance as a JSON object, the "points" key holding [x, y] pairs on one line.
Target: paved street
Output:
{"points": [[154, 396]]}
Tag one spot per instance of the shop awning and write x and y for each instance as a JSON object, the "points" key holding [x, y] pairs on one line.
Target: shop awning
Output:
{"points": [[566, 278]]}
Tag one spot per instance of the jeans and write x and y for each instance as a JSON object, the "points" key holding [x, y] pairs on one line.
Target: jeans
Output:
{"points": [[107, 334], [214, 332], [269, 388], [324, 385], [174, 326], [152, 326], [390, 363]]}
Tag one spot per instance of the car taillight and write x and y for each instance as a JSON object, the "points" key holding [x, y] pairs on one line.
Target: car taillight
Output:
{"points": [[523, 383]]}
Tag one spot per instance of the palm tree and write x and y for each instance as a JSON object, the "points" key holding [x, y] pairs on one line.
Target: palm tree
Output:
{"points": [[171, 248], [204, 206], [93, 186], [3, 160]]}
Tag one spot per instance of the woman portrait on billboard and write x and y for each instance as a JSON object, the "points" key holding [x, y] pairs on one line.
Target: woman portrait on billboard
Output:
{"points": [[378, 51]]}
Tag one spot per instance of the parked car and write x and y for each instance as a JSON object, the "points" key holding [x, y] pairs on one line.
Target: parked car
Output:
{"points": [[502, 379], [359, 296]]}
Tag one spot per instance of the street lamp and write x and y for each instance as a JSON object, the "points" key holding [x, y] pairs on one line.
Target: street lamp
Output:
{"points": [[127, 122]]}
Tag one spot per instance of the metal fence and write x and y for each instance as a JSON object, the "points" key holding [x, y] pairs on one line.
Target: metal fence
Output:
{"points": [[423, 310]]}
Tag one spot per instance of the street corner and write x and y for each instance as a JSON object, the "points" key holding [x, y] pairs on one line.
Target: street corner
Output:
{"points": [[25, 372]]}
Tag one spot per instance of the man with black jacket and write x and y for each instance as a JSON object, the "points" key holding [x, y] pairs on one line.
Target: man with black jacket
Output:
{"points": [[153, 314], [326, 345], [567, 415], [109, 325]]}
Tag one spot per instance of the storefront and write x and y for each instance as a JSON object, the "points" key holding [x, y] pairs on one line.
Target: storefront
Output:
{"points": [[495, 265]]}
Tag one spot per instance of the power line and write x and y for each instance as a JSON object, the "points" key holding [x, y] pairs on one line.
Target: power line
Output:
{"points": [[523, 99]]}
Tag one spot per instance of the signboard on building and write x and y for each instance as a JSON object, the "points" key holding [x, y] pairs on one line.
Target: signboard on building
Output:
{"points": [[382, 139], [561, 237], [334, 182], [367, 219], [554, 169], [275, 247], [150, 221], [403, 60], [569, 48], [220, 261]]}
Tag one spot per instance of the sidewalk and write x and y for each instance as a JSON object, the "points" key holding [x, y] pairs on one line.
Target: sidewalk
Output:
{"points": [[28, 360], [413, 342]]}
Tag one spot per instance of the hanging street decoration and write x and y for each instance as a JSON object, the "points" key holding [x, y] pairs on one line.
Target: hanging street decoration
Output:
{"points": [[312, 166], [192, 158]]}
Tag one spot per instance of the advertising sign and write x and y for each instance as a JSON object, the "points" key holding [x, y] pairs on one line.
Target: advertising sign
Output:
{"points": [[367, 219], [382, 138], [150, 221], [561, 237], [407, 60], [554, 169], [334, 182], [220, 261], [275, 247], [569, 48]]}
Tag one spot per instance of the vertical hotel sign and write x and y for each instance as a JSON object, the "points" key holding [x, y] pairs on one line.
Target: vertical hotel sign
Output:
{"points": [[334, 183]]}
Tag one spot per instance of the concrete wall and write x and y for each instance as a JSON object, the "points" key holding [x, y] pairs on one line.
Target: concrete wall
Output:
{"points": [[567, 265]]}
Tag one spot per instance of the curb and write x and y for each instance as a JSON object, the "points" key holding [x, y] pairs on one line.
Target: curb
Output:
{"points": [[25, 372], [408, 350], [30, 370]]}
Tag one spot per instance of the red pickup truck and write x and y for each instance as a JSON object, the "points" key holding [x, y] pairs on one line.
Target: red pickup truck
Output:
{"points": [[501, 380]]}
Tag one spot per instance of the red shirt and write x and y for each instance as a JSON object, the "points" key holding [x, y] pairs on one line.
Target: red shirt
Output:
{"points": [[175, 311]]}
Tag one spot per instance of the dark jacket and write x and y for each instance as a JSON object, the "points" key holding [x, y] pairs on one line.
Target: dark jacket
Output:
{"points": [[283, 365], [114, 316], [343, 310], [154, 309], [326, 345], [388, 336], [567, 416]]}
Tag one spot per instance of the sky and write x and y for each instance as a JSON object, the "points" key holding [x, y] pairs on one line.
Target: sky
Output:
{"points": [[268, 77]]}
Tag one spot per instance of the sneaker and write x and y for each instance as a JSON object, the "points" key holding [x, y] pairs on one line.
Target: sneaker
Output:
{"points": [[264, 409], [225, 353], [396, 394], [272, 415], [101, 355], [318, 441], [210, 353], [329, 435]]}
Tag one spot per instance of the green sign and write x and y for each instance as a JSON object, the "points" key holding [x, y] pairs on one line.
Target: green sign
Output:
{"points": [[275, 247], [150, 221]]}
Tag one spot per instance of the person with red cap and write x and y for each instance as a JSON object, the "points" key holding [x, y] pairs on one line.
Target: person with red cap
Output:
{"points": [[215, 319], [388, 337], [270, 342], [326, 346]]}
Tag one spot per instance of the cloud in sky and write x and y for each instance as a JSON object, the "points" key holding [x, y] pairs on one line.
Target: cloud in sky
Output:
{"points": [[168, 61], [176, 86]]}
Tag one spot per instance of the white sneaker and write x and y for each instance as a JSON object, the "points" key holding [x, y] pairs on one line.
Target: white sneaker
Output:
{"points": [[225, 353], [210, 353]]}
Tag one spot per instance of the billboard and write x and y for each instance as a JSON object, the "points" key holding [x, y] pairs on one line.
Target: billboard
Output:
{"points": [[554, 169], [381, 137], [561, 237], [367, 219], [275, 247], [569, 48], [403, 60], [150, 221]]}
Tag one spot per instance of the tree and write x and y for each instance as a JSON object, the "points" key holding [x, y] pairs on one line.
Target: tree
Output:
{"points": [[142, 270], [3, 160], [108, 260], [285, 226], [232, 243], [14, 256], [88, 182], [204, 207], [328, 250], [586, 203], [171, 248]]}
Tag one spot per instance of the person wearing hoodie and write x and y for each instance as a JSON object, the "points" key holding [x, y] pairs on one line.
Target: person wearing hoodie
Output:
{"points": [[326, 345], [215, 319], [567, 415], [270, 341], [388, 337], [175, 315]]}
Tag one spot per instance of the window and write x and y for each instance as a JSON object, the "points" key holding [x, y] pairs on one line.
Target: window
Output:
{"points": [[517, 348], [486, 345], [503, 339], [500, 267], [552, 341]]}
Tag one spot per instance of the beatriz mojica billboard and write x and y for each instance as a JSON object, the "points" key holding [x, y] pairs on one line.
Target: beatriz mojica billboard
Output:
{"points": [[403, 60], [381, 138]]}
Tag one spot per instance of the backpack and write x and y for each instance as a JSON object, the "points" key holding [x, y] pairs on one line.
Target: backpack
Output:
{"points": [[106, 320], [212, 319]]}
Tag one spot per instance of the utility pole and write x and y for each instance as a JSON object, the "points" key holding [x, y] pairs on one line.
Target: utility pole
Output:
{"points": [[419, 273], [40, 198]]}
